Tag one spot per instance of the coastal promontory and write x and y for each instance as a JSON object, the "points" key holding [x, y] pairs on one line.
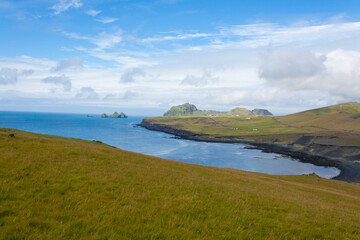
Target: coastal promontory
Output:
{"points": [[327, 136]]}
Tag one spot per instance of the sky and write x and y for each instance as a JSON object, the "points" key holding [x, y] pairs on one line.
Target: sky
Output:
{"points": [[142, 57]]}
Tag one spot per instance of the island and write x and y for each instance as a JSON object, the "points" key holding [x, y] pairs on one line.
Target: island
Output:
{"points": [[114, 115], [328, 136], [188, 109]]}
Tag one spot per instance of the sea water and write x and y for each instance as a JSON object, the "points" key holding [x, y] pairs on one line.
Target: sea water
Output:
{"points": [[125, 134]]}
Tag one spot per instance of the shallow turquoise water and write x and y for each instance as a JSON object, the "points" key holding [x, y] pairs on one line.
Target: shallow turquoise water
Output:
{"points": [[124, 134]]}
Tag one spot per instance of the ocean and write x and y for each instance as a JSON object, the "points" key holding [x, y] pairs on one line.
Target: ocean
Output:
{"points": [[125, 134]]}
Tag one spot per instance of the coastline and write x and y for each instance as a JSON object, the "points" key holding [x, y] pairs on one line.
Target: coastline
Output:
{"points": [[349, 171]]}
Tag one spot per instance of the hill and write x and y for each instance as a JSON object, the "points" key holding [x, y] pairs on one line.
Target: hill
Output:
{"points": [[61, 188], [324, 136], [188, 109], [343, 117]]}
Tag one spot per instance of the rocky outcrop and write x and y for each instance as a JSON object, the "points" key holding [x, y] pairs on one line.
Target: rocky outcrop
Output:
{"points": [[114, 115], [188, 109], [258, 111], [182, 110]]}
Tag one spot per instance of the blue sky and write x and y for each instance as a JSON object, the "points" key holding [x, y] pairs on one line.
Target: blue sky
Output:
{"points": [[145, 56]]}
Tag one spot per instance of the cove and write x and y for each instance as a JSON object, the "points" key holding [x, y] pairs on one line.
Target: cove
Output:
{"points": [[125, 134]]}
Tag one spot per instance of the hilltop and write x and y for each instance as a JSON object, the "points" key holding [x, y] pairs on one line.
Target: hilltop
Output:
{"points": [[341, 117], [62, 188], [328, 136], [188, 109]]}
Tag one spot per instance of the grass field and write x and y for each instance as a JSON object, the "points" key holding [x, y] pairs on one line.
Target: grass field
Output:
{"points": [[59, 188], [337, 125], [342, 119]]}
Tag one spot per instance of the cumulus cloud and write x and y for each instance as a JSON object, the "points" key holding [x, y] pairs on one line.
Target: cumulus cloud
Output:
{"points": [[11, 75], [87, 92], [64, 5], [93, 12], [27, 72], [129, 95], [199, 81], [62, 80], [130, 75], [68, 63], [8, 76], [290, 64], [336, 72]]}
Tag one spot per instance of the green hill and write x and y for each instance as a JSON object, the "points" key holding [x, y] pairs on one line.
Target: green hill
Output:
{"points": [[188, 109], [330, 133], [61, 188], [341, 117]]}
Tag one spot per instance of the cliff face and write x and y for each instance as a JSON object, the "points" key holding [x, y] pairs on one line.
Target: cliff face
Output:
{"points": [[188, 109]]}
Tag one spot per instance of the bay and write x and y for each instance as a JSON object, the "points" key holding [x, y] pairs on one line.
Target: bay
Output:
{"points": [[125, 134]]}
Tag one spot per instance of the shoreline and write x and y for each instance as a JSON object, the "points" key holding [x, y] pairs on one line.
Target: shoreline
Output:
{"points": [[349, 171]]}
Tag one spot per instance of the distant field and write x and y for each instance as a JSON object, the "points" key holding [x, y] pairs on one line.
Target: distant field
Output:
{"points": [[341, 121], [226, 125], [60, 188]]}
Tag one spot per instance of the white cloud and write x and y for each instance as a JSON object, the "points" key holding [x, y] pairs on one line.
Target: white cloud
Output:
{"points": [[93, 12], [176, 37], [287, 65], [106, 40], [27, 72], [103, 40], [106, 20], [62, 80], [68, 63], [130, 75], [8, 76], [64, 5], [337, 72], [128, 95], [199, 81], [87, 92], [75, 36]]}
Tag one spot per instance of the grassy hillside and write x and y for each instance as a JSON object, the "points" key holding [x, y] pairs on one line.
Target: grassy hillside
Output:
{"points": [[342, 118], [336, 126], [59, 188]]}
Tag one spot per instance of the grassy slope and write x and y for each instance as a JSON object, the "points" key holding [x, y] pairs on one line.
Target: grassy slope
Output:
{"points": [[341, 120], [58, 188]]}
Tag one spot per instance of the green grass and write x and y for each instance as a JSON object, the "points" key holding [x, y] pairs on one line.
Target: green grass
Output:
{"points": [[338, 120], [59, 188], [230, 126]]}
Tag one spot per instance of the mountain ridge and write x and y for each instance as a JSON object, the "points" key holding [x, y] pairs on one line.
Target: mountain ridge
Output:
{"points": [[188, 109]]}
